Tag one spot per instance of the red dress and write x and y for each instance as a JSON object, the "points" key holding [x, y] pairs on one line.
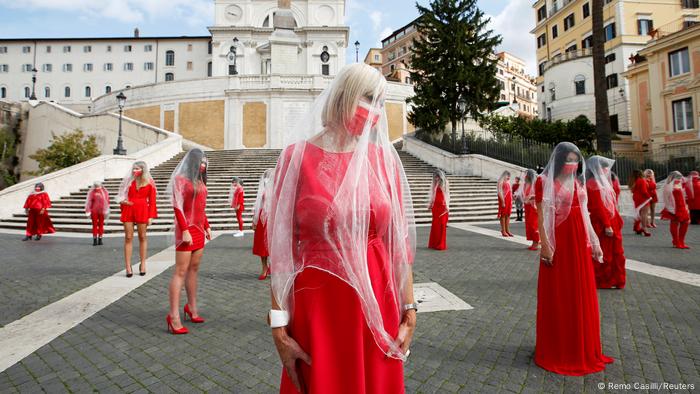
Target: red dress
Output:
{"points": [[568, 318], [617, 189], [38, 223], [640, 193], [327, 320], [505, 208], [651, 185], [238, 204], [694, 195], [193, 209], [438, 230], [99, 198], [144, 204], [260, 239], [532, 231], [612, 272], [682, 214]]}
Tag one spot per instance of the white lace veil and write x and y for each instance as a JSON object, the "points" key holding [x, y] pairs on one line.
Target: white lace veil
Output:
{"points": [[185, 184], [439, 180], [329, 229], [598, 170], [669, 201], [123, 194], [261, 206], [103, 193], [504, 185]]}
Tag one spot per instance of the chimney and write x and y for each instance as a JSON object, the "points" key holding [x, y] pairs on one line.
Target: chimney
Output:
{"points": [[136, 33]]}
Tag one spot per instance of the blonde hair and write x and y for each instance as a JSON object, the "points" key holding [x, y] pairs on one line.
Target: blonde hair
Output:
{"points": [[351, 83], [145, 176]]}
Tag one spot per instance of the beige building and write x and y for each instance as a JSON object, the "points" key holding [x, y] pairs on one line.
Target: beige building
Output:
{"points": [[374, 58], [565, 67], [665, 89]]}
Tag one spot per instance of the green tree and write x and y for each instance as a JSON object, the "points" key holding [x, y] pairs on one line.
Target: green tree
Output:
{"points": [[453, 61], [580, 130], [8, 160], [65, 150]]}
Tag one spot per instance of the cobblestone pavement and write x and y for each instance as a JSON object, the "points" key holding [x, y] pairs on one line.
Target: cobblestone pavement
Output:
{"points": [[37, 273], [651, 328], [657, 249]]}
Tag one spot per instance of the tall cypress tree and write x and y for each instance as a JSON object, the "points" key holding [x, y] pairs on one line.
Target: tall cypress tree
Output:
{"points": [[453, 60]]}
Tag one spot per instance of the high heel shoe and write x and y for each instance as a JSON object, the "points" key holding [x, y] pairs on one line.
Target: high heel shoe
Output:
{"points": [[646, 233], [510, 234], [193, 319], [172, 329], [264, 275], [130, 274]]}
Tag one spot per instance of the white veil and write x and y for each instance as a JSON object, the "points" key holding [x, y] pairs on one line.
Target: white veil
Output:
{"points": [[503, 181], [329, 229], [261, 206], [439, 180], [104, 194], [123, 194], [557, 195], [527, 185], [598, 169], [690, 183], [186, 183], [669, 201]]}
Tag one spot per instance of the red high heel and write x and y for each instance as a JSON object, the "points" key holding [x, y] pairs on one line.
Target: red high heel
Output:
{"points": [[189, 313], [646, 233], [172, 329], [510, 234], [264, 276]]}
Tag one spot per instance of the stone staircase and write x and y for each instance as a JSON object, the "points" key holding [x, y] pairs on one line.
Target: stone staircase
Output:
{"points": [[473, 198]]}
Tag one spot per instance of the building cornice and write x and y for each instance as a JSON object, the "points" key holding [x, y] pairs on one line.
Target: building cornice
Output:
{"points": [[183, 38]]}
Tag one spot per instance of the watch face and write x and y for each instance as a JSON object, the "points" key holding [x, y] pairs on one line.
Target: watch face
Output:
{"points": [[325, 56], [230, 57], [234, 13]]}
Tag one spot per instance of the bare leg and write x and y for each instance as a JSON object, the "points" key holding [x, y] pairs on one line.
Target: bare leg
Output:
{"points": [[191, 281], [263, 260], [182, 263], [128, 244], [143, 245], [652, 212]]}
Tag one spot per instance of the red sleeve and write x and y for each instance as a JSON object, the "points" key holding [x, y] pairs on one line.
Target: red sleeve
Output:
{"points": [[45, 201], [206, 222], [538, 190], [241, 197], [596, 206], [181, 221], [27, 202], [515, 187], [152, 203]]}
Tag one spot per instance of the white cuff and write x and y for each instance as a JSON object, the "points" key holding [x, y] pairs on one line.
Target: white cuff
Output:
{"points": [[278, 318]]}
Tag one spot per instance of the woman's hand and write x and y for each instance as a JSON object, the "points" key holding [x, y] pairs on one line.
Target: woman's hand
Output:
{"points": [[546, 254], [127, 202], [289, 352], [597, 253], [406, 329], [609, 231], [208, 234], [186, 237], [43, 211]]}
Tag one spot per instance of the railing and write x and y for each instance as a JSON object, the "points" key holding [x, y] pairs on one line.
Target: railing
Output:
{"points": [[558, 8], [663, 161], [673, 27], [567, 56]]}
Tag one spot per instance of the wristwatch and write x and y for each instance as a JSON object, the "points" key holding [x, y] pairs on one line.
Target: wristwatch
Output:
{"points": [[413, 306]]}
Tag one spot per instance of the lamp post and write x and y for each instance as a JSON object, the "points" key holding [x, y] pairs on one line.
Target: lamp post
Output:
{"points": [[121, 101], [357, 51], [33, 96], [463, 110]]}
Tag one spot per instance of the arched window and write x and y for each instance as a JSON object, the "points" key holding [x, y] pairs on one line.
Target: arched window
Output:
{"points": [[209, 69], [169, 76], [108, 89], [66, 91], [170, 58], [47, 92], [26, 92], [88, 91], [580, 84], [3, 92]]}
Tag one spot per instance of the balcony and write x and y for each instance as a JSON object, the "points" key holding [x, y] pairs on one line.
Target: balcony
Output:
{"points": [[567, 56], [672, 28], [557, 7]]}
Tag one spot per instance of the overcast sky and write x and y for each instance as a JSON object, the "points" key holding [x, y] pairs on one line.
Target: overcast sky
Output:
{"points": [[369, 20]]}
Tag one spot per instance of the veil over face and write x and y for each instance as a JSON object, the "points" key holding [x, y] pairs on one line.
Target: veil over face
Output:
{"points": [[562, 177], [674, 180], [261, 206], [504, 185], [527, 189], [690, 183], [188, 182], [439, 180], [360, 191], [137, 168], [97, 191], [598, 172]]}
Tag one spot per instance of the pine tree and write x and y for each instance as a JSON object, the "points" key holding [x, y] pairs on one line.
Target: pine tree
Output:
{"points": [[453, 60]]}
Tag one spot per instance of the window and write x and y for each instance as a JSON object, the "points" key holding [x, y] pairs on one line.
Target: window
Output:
{"points": [[580, 84], [109, 48], [66, 49], [541, 13], [88, 91], [26, 49], [108, 89], [189, 47], [679, 62], [87, 48], [48, 49], [127, 48], [66, 91], [688, 23], [3, 50], [610, 32], [587, 42], [609, 58], [170, 58], [611, 81], [47, 68], [148, 66], [169, 76], [148, 48], [614, 123], [189, 66], [27, 68], [407, 80], [586, 10], [209, 69], [209, 48], [325, 69], [128, 66], [569, 22], [683, 115], [690, 4], [377, 58], [644, 26], [503, 97], [231, 69], [4, 68], [541, 68], [47, 92], [87, 67], [109, 67], [555, 31], [572, 48], [27, 93], [3, 92], [67, 68], [541, 40]]}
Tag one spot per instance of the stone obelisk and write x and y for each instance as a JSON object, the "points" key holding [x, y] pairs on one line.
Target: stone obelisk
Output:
{"points": [[284, 43]]}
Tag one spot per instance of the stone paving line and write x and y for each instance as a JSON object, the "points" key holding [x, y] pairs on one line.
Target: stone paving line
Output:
{"points": [[631, 264]]}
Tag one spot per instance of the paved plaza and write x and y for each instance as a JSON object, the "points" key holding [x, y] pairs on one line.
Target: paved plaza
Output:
{"points": [[651, 328]]}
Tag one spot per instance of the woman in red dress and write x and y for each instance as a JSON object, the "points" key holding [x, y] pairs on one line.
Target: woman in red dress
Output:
{"points": [[37, 208], [97, 209], [527, 195], [236, 199], [439, 204], [650, 177], [641, 197], [187, 190], [692, 185], [568, 319], [260, 222], [616, 187], [137, 200], [505, 203], [607, 223], [676, 209], [342, 241]]}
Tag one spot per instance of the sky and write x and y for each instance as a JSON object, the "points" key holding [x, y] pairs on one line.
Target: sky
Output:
{"points": [[369, 20]]}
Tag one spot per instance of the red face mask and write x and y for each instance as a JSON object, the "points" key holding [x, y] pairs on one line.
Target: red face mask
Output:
{"points": [[37, 189], [137, 172], [363, 114], [202, 168], [569, 168]]}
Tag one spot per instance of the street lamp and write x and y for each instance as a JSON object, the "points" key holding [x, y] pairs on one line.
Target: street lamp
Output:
{"points": [[357, 51], [33, 96], [463, 109], [121, 101]]}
